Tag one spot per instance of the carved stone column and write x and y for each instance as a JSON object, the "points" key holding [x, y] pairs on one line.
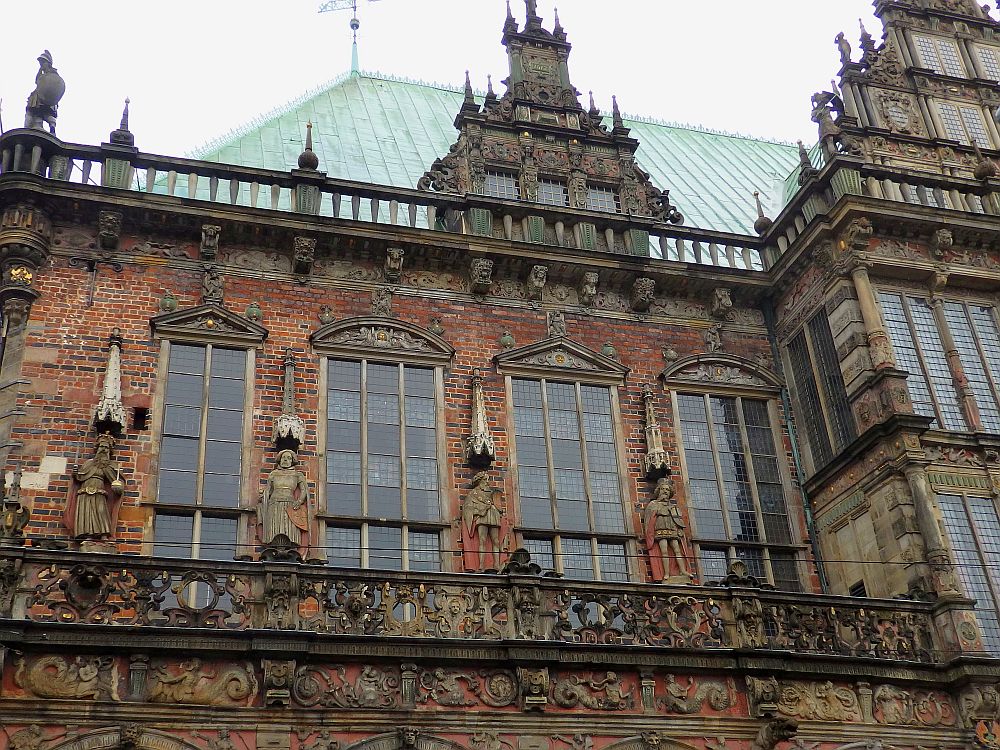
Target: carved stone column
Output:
{"points": [[25, 237], [961, 380], [943, 577], [878, 342]]}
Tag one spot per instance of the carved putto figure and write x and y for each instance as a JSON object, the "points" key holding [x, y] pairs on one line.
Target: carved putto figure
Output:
{"points": [[211, 285], [284, 509], [99, 480], [713, 339], [43, 102], [557, 324], [665, 531], [482, 517]]}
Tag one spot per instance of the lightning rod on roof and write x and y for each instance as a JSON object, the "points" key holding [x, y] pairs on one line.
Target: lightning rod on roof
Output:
{"points": [[331, 5]]}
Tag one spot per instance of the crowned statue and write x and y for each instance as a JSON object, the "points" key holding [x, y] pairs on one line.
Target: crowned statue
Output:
{"points": [[665, 532], [98, 483]]}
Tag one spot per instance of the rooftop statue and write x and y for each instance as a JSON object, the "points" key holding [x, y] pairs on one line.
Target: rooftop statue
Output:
{"points": [[43, 102]]}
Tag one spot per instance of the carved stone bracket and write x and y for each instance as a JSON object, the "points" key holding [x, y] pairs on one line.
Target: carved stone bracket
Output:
{"points": [[210, 234], [393, 264], [110, 415], [643, 290], [536, 281], [289, 429], [480, 275], [109, 229], [304, 254], [657, 459], [480, 448]]}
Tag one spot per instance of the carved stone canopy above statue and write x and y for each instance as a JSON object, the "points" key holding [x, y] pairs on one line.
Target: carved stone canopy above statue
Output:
{"points": [[382, 338], [721, 372], [561, 355], [208, 323]]}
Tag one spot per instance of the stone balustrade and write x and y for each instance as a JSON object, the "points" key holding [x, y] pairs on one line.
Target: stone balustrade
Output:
{"points": [[313, 193], [44, 586]]}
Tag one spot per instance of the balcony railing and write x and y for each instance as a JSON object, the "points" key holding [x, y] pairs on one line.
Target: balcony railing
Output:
{"points": [[313, 193], [115, 590]]}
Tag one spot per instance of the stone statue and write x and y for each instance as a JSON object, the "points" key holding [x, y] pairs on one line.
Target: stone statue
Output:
{"points": [[43, 102], [557, 324], [482, 516], [284, 510], [99, 479], [665, 531], [845, 48], [211, 286]]}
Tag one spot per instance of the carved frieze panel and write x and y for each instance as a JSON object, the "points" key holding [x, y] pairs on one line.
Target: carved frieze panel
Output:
{"points": [[90, 678], [210, 320], [192, 682], [379, 336], [559, 353], [722, 370], [341, 686]]}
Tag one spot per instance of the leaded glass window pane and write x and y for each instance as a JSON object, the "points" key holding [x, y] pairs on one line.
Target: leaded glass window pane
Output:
{"points": [[828, 366], [382, 461], [807, 391], [907, 358], [552, 193], [500, 185], [567, 473], [937, 363], [602, 199], [730, 453], [990, 59], [972, 364]]}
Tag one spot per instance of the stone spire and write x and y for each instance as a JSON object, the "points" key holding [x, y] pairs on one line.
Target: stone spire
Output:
{"points": [[289, 429], [110, 415], [510, 24], [657, 459], [308, 158], [806, 169], [618, 124], [491, 95], [122, 136], [558, 31], [469, 105], [480, 448]]}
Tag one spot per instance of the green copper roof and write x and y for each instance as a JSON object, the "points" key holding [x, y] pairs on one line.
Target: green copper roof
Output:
{"points": [[376, 129]]}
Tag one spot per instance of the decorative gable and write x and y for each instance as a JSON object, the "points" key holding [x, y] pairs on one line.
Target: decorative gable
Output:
{"points": [[382, 338], [211, 323], [561, 355], [721, 371]]}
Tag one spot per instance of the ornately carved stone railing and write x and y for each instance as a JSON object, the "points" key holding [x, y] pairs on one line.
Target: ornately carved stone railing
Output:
{"points": [[313, 193], [66, 587]]}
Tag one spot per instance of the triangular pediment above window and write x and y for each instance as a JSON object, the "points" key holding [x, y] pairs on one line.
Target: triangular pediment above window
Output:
{"points": [[721, 370], [382, 338], [208, 323], [559, 355]]}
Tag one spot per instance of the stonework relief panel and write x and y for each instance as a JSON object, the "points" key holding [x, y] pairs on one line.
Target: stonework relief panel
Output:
{"points": [[194, 682], [87, 678]]}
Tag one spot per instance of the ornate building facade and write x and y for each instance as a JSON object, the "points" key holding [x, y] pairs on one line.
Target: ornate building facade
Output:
{"points": [[533, 455]]}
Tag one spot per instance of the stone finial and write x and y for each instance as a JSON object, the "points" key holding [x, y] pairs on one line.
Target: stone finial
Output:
{"points": [[867, 42], [122, 136], [806, 169], [43, 102], [491, 95], [594, 111], [510, 24], [308, 159], [616, 116], [480, 448], [110, 415], [657, 459], [763, 223], [289, 429], [557, 30], [985, 168]]}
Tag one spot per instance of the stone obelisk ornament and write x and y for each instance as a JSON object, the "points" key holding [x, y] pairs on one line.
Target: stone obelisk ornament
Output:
{"points": [[90, 511], [43, 102], [482, 519], [283, 513], [665, 535]]}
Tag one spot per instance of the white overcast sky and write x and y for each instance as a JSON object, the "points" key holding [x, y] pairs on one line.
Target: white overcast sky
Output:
{"points": [[196, 69]]}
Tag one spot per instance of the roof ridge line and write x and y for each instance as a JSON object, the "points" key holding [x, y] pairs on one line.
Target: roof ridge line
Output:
{"points": [[649, 120]]}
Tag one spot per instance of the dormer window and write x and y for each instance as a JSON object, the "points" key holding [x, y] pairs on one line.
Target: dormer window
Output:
{"points": [[940, 55], [603, 199], [501, 185], [552, 193]]}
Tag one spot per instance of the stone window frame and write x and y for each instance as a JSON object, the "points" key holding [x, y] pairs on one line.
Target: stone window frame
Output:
{"points": [[604, 190], [730, 376], [512, 176], [209, 326], [826, 406], [977, 557], [992, 378], [553, 181], [990, 67], [560, 360], [420, 348]]}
